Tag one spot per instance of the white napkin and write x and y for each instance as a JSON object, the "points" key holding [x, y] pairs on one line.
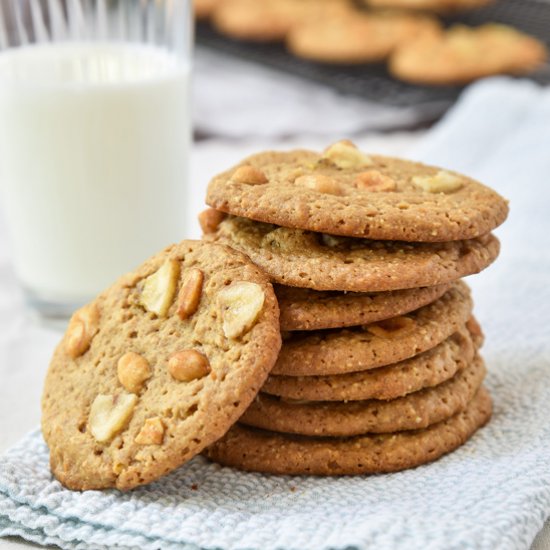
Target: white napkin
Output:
{"points": [[235, 98], [492, 493]]}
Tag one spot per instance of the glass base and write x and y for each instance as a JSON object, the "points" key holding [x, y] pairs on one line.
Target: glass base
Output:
{"points": [[48, 312]]}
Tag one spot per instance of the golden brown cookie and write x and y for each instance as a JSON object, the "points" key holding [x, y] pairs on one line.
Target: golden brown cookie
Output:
{"points": [[270, 20], [158, 366], [256, 450], [306, 309], [462, 54], [342, 191], [377, 344], [203, 9], [425, 370], [411, 412], [437, 6], [325, 262], [355, 37]]}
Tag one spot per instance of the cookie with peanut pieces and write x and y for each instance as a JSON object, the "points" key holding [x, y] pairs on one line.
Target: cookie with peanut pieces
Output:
{"points": [[256, 450], [343, 191], [374, 345], [158, 366], [319, 261]]}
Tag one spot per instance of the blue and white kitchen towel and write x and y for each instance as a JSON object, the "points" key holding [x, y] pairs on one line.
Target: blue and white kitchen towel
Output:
{"points": [[492, 493]]}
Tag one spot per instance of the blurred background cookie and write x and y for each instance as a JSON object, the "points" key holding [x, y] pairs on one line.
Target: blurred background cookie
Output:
{"points": [[462, 54]]}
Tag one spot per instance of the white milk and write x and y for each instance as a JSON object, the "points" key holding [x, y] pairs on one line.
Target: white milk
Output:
{"points": [[94, 144]]}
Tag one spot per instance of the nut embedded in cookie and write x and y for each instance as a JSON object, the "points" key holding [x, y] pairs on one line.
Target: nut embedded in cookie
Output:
{"points": [[345, 154], [188, 365], [109, 414], [190, 293], [159, 288], [241, 304], [151, 433], [133, 370], [442, 182], [83, 326]]}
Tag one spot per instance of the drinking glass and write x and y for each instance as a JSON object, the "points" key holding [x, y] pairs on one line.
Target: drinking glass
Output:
{"points": [[94, 140]]}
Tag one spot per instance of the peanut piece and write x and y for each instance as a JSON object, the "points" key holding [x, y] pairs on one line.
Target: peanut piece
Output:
{"points": [[320, 183], [344, 154], [248, 174], [373, 180], [188, 365], [210, 219], [151, 433], [190, 293], [109, 414], [442, 182], [83, 326], [133, 370], [159, 288], [391, 328], [241, 305]]}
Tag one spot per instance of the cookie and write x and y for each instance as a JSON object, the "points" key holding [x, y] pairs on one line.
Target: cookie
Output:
{"points": [[299, 258], [203, 9], [270, 20], [377, 344], [343, 191], [306, 309], [335, 419], [428, 369], [256, 450], [158, 366], [437, 6], [355, 37], [463, 54]]}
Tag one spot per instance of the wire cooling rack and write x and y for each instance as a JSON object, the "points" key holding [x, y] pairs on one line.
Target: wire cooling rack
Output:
{"points": [[372, 81]]}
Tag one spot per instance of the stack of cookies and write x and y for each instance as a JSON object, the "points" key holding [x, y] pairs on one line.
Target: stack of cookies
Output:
{"points": [[362, 358], [379, 368]]}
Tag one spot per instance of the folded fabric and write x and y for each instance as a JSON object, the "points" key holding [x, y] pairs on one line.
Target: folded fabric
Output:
{"points": [[492, 493], [236, 98]]}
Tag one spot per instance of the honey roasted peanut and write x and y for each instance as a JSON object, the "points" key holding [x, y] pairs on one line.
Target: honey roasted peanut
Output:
{"points": [[188, 365], [83, 326], [133, 370], [190, 293]]}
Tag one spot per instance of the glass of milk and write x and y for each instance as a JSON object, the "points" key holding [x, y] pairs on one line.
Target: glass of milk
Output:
{"points": [[94, 140]]}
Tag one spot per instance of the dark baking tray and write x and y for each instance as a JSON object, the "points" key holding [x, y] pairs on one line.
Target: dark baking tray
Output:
{"points": [[372, 81]]}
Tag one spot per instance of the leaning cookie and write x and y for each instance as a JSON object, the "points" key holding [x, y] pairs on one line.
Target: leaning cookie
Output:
{"points": [[335, 419], [158, 366], [462, 54], [342, 191], [326, 262], [256, 450]]}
